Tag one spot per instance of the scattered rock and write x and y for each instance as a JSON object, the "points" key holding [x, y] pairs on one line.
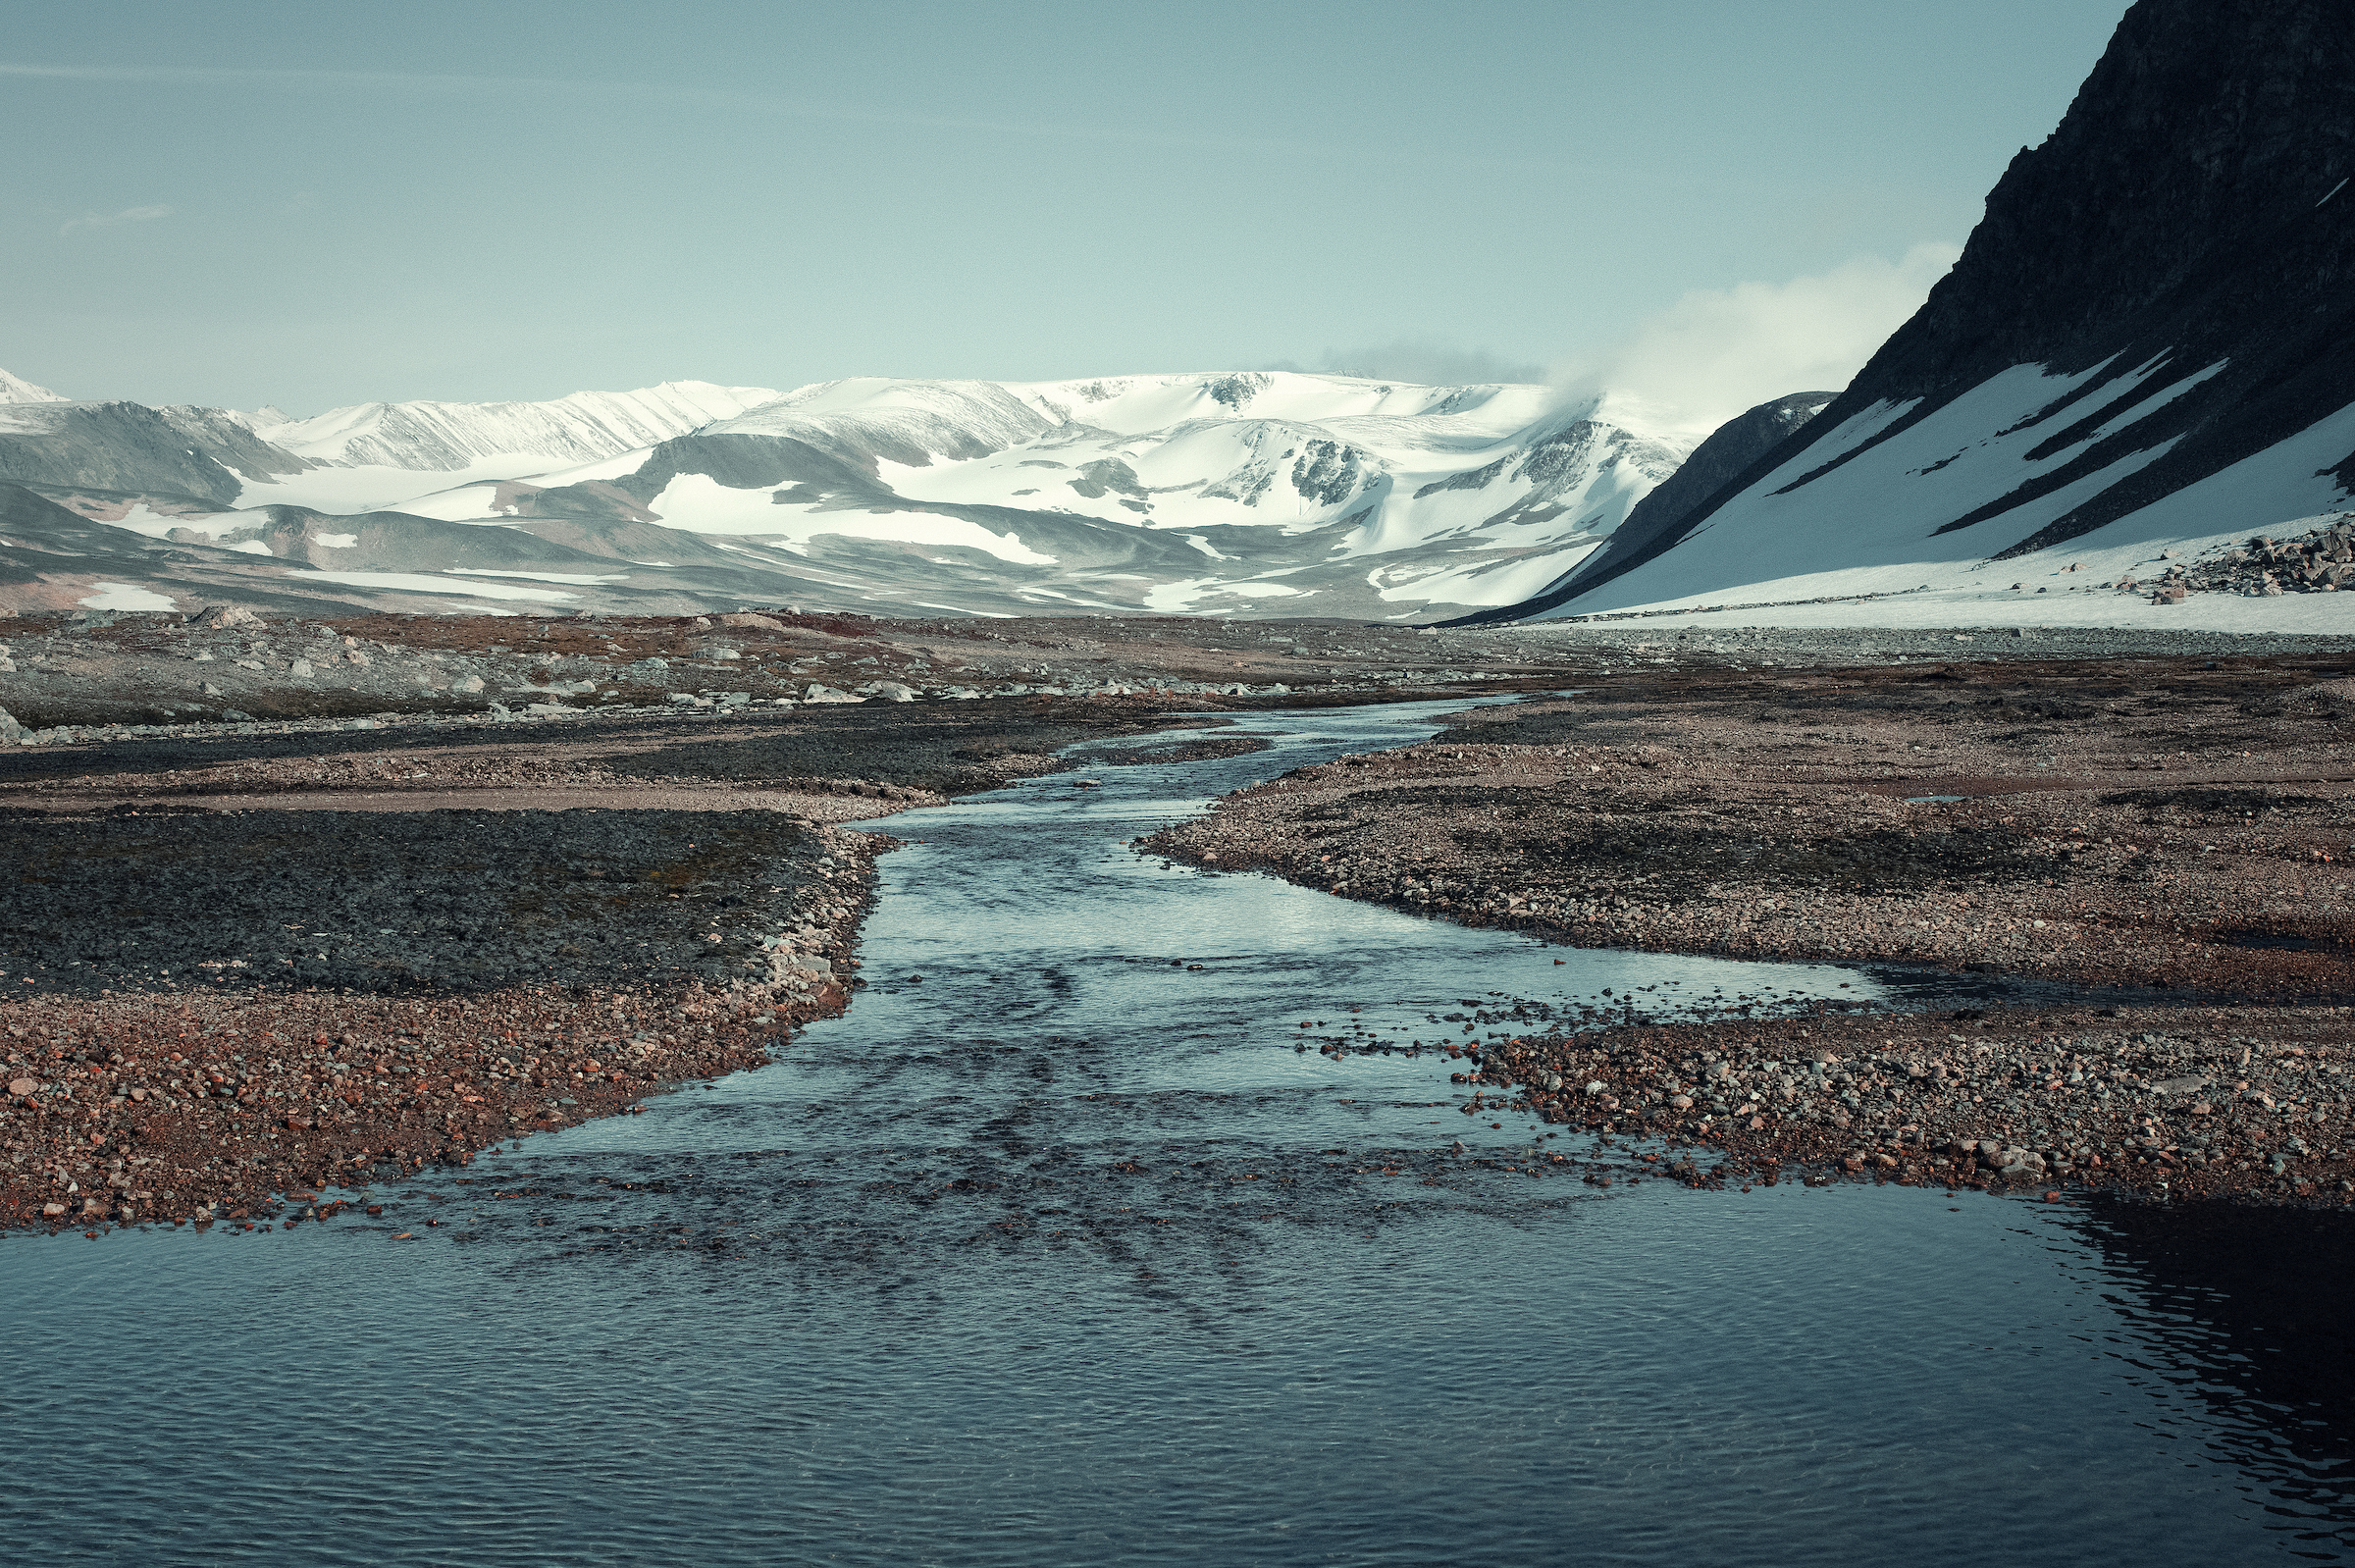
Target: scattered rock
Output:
{"points": [[223, 617]]}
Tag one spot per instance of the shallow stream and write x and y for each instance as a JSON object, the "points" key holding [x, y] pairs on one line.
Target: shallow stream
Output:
{"points": [[1065, 1253]]}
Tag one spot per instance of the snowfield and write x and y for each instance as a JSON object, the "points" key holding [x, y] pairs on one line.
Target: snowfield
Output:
{"points": [[444, 437], [1873, 526]]}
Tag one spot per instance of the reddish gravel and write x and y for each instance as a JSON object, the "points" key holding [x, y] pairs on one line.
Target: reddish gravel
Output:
{"points": [[132, 1107], [2168, 827], [2176, 827], [2180, 1102]]}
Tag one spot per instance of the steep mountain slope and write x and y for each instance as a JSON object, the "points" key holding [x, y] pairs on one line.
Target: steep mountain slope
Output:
{"points": [[2147, 344], [199, 453], [373, 453]]}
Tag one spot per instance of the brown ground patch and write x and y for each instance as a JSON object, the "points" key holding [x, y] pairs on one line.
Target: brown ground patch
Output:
{"points": [[2172, 827], [2176, 1102], [2166, 827]]}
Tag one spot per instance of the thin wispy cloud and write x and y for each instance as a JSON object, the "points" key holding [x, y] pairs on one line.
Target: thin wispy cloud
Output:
{"points": [[426, 84], [435, 84], [109, 220]]}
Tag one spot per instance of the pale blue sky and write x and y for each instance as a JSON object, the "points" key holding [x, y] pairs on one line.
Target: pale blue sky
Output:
{"points": [[313, 205]]}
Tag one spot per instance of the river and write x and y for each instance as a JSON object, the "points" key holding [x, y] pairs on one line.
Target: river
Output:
{"points": [[1057, 1248]]}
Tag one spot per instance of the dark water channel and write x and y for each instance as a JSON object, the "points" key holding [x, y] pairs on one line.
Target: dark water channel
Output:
{"points": [[1063, 1253]]}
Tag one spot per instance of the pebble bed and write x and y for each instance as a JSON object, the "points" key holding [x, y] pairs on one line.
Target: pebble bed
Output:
{"points": [[2104, 828], [2175, 1102], [208, 1107]]}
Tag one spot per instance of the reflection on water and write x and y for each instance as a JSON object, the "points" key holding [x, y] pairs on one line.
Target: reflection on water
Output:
{"points": [[1055, 1249], [2235, 1324]]}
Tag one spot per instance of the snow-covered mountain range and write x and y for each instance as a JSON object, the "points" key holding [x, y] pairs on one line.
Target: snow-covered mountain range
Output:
{"points": [[1230, 493], [2144, 357]]}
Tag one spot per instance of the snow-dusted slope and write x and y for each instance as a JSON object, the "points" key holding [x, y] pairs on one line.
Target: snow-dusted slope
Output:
{"points": [[16, 390], [1849, 517], [440, 437], [370, 453]]}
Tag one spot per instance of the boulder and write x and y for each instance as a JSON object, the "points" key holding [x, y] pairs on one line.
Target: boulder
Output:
{"points": [[223, 617]]}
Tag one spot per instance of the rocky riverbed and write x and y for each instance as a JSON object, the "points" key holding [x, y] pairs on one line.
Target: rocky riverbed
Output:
{"points": [[2153, 830], [2168, 1101], [237, 964], [63, 677], [245, 955], [104, 675], [180, 1049]]}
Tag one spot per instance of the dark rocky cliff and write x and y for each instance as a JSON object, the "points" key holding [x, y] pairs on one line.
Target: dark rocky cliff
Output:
{"points": [[2191, 208]]}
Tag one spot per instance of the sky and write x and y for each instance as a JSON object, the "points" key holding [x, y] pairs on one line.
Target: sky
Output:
{"points": [[316, 205]]}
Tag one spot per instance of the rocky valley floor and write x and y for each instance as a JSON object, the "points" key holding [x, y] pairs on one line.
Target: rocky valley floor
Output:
{"points": [[2160, 834], [270, 963], [259, 954]]}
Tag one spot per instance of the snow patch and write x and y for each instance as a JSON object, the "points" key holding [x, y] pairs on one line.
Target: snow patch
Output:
{"points": [[16, 390], [702, 504], [581, 428], [125, 596]]}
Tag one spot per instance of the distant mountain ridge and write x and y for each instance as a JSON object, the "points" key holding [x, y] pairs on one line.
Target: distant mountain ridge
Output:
{"points": [[2147, 344], [431, 437], [1661, 518], [1230, 493]]}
